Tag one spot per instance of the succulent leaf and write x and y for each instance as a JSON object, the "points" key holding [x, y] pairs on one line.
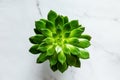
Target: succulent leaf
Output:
{"points": [[62, 67], [37, 39], [59, 21], [84, 54], [42, 57], [61, 57], [50, 50], [53, 60], [53, 67], [86, 36], [39, 25], [34, 49], [83, 43], [50, 26], [65, 19], [74, 24], [76, 32], [52, 15], [47, 33]]}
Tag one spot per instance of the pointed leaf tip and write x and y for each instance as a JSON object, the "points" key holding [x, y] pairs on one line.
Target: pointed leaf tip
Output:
{"points": [[86, 36], [84, 54], [39, 25], [52, 15], [76, 32], [34, 49], [74, 24], [83, 43], [62, 67], [37, 39], [59, 21], [42, 57]]}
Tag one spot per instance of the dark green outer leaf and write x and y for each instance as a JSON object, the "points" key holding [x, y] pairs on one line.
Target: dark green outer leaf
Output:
{"points": [[62, 67], [88, 37], [71, 60], [39, 25], [74, 24], [42, 58], [50, 26], [37, 31], [65, 19], [66, 27], [53, 67], [47, 33], [44, 20], [82, 28], [34, 49], [78, 63], [59, 21], [43, 47], [37, 39], [52, 15], [53, 59]]}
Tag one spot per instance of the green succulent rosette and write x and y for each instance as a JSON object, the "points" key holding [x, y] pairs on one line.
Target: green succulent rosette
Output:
{"points": [[60, 41]]}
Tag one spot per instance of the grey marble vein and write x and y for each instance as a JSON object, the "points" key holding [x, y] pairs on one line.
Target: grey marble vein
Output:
{"points": [[38, 7]]}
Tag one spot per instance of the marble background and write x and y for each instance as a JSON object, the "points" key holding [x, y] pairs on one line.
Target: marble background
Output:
{"points": [[101, 19]]}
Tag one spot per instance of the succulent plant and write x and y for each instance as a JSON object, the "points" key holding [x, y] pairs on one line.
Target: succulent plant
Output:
{"points": [[59, 41]]}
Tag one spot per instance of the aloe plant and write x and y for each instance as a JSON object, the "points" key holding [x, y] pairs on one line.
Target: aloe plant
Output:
{"points": [[60, 41]]}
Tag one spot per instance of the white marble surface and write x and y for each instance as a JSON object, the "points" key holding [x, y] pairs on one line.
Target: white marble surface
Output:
{"points": [[101, 19]]}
